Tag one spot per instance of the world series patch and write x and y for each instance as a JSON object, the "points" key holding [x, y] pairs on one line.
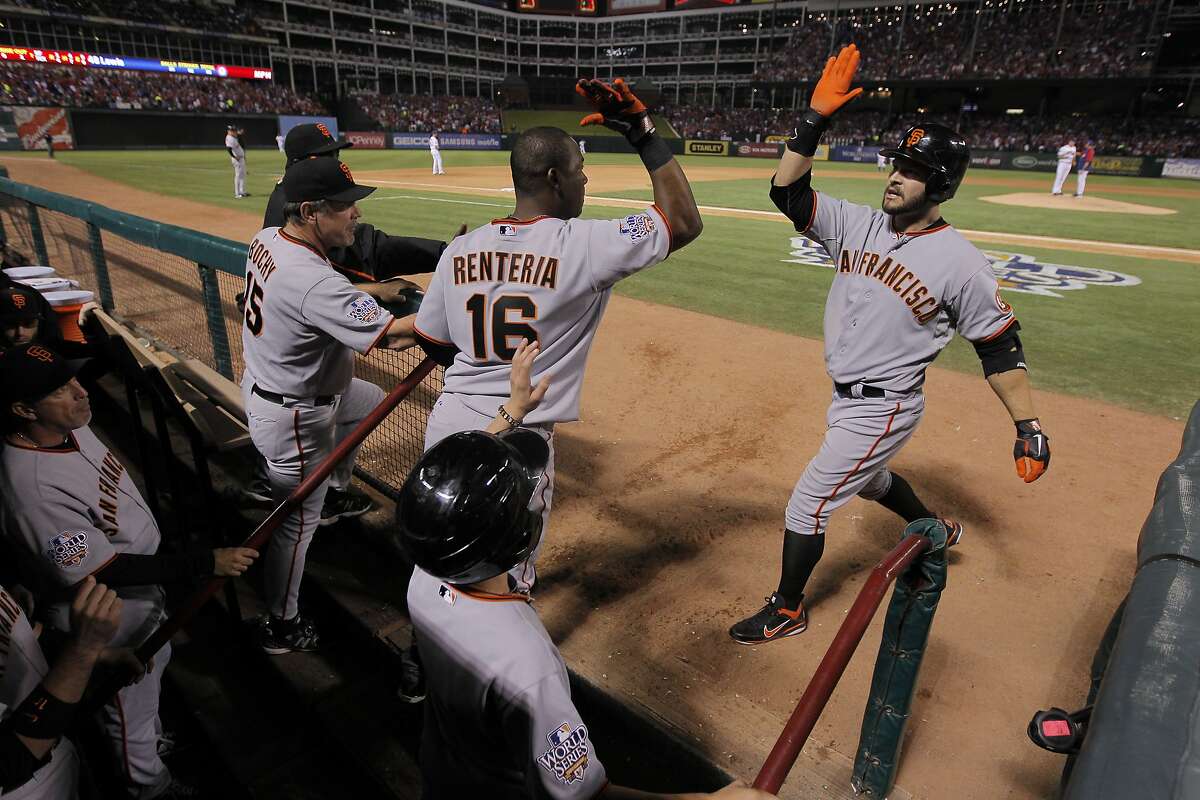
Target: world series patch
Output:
{"points": [[363, 309], [68, 549], [567, 757], [637, 226]]}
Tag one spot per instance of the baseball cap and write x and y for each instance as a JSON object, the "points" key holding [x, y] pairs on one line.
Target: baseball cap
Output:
{"points": [[322, 179], [31, 371], [311, 139], [18, 303]]}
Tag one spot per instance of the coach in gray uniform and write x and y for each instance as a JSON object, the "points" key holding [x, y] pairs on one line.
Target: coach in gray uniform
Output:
{"points": [[302, 325], [904, 283], [499, 719]]}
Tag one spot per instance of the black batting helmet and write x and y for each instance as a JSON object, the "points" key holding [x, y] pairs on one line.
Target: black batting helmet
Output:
{"points": [[941, 150], [463, 514]]}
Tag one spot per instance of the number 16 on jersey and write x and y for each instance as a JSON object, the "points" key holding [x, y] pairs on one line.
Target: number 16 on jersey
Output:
{"points": [[509, 324]]}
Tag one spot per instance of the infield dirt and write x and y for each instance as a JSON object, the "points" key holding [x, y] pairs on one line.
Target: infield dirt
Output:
{"points": [[667, 528]]}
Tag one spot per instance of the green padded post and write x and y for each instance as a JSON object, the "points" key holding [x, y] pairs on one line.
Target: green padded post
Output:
{"points": [[100, 265], [39, 240], [216, 320], [905, 634]]}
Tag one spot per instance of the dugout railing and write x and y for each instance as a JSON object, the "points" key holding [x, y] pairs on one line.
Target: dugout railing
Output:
{"points": [[178, 286]]}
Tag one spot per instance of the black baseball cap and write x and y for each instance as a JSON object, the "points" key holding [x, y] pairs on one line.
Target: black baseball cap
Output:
{"points": [[29, 372], [305, 141], [18, 304], [322, 179]]}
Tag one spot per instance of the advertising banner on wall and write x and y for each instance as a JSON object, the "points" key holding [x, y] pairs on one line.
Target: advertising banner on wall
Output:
{"points": [[287, 122], [1039, 162], [859, 154], [1117, 165], [697, 147], [34, 123], [758, 149], [447, 141], [367, 140], [1182, 168]]}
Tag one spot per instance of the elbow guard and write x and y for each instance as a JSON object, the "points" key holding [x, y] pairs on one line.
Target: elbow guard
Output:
{"points": [[1003, 353], [797, 200]]}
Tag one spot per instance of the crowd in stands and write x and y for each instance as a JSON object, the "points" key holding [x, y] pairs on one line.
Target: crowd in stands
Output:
{"points": [[408, 112], [1160, 136], [945, 42], [79, 87], [199, 16]]}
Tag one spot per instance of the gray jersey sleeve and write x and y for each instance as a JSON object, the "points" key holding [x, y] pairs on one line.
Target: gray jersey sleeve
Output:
{"points": [[61, 531], [347, 314], [617, 248], [978, 311], [832, 218], [432, 322], [543, 721]]}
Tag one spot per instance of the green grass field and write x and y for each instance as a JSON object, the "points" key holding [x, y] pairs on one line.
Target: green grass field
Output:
{"points": [[1132, 345]]}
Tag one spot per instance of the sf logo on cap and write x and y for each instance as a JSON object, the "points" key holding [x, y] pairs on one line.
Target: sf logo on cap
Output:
{"points": [[324, 131], [41, 354], [915, 136], [346, 171], [18, 300]]}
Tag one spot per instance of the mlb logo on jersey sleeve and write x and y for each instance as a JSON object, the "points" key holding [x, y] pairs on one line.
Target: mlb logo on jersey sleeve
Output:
{"points": [[637, 226], [364, 309], [68, 549], [567, 758]]}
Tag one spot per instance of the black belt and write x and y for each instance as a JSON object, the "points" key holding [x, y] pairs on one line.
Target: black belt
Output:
{"points": [[322, 400], [843, 390]]}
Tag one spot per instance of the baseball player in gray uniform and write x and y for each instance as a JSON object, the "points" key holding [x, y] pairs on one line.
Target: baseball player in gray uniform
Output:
{"points": [[545, 275], [237, 156], [72, 511], [302, 325], [905, 282], [499, 719]]}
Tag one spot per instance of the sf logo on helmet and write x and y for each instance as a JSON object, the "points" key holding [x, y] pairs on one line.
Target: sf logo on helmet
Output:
{"points": [[41, 354], [18, 301], [324, 131], [915, 136]]}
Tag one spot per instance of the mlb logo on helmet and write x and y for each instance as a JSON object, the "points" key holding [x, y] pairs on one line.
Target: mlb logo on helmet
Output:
{"points": [[915, 136]]}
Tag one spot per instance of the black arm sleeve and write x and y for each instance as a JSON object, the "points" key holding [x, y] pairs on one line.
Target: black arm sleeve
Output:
{"points": [[441, 353], [796, 200], [128, 569], [17, 764], [377, 256], [1003, 353]]}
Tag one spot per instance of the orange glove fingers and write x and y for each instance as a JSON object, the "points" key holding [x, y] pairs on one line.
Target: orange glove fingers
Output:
{"points": [[592, 119], [1029, 469]]}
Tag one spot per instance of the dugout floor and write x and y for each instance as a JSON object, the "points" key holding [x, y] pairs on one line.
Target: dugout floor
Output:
{"points": [[666, 529]]}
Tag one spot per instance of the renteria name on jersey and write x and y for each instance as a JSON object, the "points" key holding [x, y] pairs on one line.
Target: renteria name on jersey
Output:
{"points": [[896, 277], [499, 267]]}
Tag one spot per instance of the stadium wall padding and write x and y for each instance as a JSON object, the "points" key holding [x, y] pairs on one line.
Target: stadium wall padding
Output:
{"points": [[112, 129]]}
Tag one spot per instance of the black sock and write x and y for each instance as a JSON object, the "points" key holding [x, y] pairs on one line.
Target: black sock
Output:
{"points": [[902, 500], [801, 552]]}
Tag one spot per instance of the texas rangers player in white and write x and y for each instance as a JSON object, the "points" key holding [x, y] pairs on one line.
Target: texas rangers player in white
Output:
{"points": [[1066, 158], [237, 156], [905, 282], [72, 511], [303, 323], [545, 275], [435, 150]]}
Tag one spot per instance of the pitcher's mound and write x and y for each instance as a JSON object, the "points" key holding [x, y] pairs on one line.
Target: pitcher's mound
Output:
{"points": [[1066, 202]]}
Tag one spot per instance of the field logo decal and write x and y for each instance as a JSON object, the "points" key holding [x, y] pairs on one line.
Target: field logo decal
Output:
{"points": [[1015, 272]]}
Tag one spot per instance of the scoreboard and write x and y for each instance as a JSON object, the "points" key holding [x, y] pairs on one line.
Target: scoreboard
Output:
{"points": [[77, 59], [584, 7]]}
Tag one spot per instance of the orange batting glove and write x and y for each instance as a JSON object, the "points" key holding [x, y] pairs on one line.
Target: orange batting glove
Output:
{"points": [[617, 108], [833, 89], [1031, 450]]}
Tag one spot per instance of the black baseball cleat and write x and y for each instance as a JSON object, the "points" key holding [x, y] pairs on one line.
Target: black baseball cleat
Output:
{"points": [[412, 679], [773, 621], [297, 635], [341, 504]]}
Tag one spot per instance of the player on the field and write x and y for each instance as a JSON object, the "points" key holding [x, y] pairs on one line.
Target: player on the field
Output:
{"points": [[237, 156], [1083, 166], [435, 150], [302, 326], [500, 721], [904, 283], [1066, 157]]}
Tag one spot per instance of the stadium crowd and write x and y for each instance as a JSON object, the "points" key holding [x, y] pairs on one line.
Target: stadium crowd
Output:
{"points": [[408, 112], [199, 16], [1177, 137], [78, 87]]}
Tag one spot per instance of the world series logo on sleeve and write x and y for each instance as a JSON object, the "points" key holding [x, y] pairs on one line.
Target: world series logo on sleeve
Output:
{"points": [[363, 309], [567, 757], [637, 226], [68, 549]]}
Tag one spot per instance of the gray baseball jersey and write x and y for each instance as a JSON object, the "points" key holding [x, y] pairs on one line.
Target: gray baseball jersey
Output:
{"points": [[545, 279], [234, 146], [303, 320], [499, 714], [74, 509], [897, 299]]}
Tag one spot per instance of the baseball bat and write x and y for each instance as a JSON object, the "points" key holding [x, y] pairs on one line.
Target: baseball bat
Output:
{"points": [[804, 718], [263, 532]]}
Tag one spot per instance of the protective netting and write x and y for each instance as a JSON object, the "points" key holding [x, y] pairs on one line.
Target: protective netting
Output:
{"points": [[164, 295]]}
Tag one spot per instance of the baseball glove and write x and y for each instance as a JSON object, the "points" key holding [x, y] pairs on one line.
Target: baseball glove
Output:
{"points": [[617, 108], [1031, 450]]}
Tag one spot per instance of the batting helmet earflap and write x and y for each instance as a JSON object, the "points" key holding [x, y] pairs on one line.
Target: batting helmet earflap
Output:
{"points": [[463, 514], [939, 149]]}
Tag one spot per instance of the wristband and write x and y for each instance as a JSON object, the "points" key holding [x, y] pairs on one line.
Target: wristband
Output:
{"points": [[804, 138], [1029, 427], [654, 152], [42, 715], [507, 417]]}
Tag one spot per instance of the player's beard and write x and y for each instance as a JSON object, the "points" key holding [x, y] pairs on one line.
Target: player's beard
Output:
{"points": [[901, 205]]}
